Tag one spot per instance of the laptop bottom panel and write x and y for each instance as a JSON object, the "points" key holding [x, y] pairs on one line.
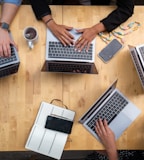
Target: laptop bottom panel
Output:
{"points": [[71, 67]]}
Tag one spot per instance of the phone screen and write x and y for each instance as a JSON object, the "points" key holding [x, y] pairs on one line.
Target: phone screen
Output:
{"points": [[110, 50], [58, 124]]}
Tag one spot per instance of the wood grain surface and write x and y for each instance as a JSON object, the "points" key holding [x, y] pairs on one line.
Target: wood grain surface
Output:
{"points": [[22, 93]]}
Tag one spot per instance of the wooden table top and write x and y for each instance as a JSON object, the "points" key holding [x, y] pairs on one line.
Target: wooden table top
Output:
{"points": [[22, 93]]}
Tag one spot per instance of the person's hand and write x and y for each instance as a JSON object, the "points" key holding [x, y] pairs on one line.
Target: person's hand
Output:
{"points": [[107, 138], [88, 34], [5, 41], [105, 134], [61, 32]]}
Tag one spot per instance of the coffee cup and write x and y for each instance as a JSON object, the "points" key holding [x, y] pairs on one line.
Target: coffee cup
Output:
{"points": [[31, 36]]}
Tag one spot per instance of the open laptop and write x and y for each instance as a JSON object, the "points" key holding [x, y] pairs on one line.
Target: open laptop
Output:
{"points": [[9, 65], [137, 54], [115, 108], [46, 141], [66, 59]]}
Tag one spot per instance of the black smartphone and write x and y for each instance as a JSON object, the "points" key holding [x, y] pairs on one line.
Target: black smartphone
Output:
{"points": [[59, 124], [110, 50]]}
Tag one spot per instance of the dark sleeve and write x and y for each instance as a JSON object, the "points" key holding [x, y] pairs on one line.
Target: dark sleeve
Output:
{"points": [[40, 8], [125, 9]]}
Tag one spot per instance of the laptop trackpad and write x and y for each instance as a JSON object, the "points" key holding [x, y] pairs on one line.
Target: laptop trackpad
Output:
{"points": [[119, 124]]}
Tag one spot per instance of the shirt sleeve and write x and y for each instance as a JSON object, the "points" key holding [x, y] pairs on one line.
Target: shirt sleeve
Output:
{"points": [[16, 2], [124, 10], [40, 8]]}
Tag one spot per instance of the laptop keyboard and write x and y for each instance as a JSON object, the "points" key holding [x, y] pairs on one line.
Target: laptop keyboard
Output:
{"points": [[57, 50], [5, 60], [110, 110], [142, 52], [75, 68], [9, 70]]}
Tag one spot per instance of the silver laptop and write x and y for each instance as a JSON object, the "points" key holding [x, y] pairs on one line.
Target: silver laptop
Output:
{"points": [[46, 141], [140, 51], [66, 59], [9, 65], [115, 108], [137, 54]]}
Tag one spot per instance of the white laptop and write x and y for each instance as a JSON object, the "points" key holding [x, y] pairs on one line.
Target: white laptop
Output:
{"points": [[115, 108], [137, 55], [46, 141], [66, 59]]}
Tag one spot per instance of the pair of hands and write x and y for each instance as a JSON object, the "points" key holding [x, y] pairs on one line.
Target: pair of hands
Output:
{"points": [[61, 32], [5, 41]]}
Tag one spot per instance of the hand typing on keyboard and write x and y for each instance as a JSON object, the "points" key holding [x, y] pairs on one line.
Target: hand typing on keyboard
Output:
{"points": [[5, 41], [88, 34], [107, 138], [61, 32]]}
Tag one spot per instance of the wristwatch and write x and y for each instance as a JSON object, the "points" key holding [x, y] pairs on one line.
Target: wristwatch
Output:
{"points": [[4, 25]]}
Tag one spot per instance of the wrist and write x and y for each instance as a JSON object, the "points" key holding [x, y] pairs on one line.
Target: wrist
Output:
{"points": [[51, 24], [112, 154], [113, 157], [3, 30], [99, 27], [48, 21]]}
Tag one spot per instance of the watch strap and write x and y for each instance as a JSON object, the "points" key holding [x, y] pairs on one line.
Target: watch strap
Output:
{"points": [[4, 25]]}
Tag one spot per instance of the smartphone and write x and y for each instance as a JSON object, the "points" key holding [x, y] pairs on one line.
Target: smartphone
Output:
{"points": [[110, 50], [59, 124]]}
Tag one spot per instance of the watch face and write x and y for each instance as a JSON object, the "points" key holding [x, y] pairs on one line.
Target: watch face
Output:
{"points": [[4, 25]]}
